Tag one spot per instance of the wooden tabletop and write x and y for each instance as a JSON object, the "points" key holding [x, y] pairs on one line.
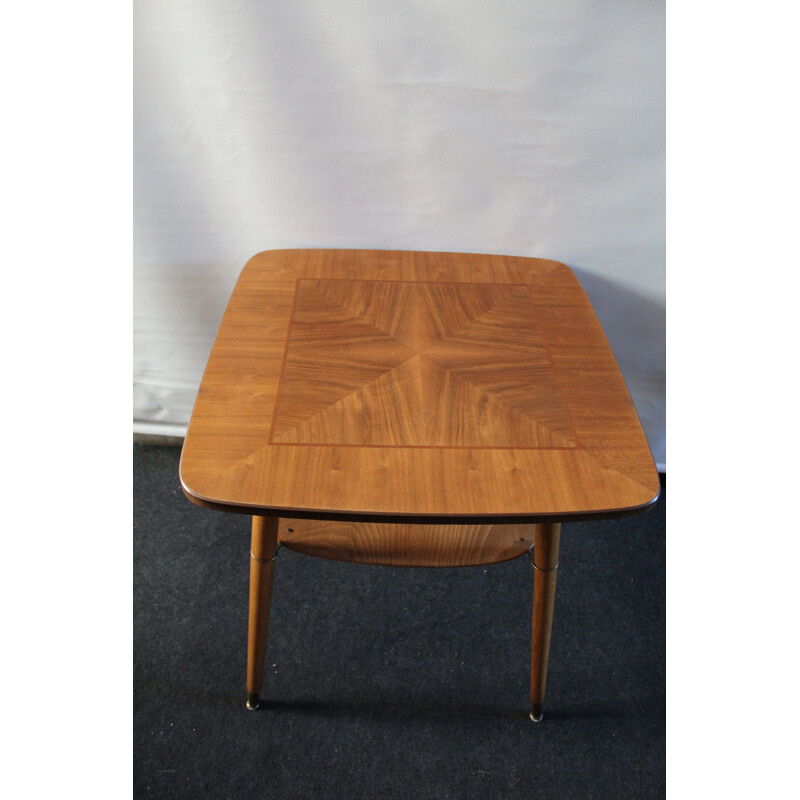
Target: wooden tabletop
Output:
{"points": [[414, 386]]}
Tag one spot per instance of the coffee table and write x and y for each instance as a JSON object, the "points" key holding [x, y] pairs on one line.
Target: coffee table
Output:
{"points": [[417, 409]]}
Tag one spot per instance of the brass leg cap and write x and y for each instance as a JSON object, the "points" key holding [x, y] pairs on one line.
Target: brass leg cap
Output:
{"points": [[536, 714], [253, 702]]}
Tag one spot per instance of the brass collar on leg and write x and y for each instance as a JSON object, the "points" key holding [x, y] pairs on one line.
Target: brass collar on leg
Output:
{"points": [[540, 569], [266, 560]]}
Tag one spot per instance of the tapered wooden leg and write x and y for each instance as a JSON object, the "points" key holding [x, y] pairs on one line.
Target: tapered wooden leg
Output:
{"points": [[263, 546], [545, 563]]}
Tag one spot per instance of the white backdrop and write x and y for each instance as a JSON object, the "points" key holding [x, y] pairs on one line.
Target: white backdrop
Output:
{"points": [[529, 127]]}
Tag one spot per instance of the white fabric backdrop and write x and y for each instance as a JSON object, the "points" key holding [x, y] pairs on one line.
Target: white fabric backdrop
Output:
{"points": [[524, 127]]}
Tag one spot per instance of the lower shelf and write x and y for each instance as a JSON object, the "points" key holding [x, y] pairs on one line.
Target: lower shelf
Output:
{"points": [[402, 545]]}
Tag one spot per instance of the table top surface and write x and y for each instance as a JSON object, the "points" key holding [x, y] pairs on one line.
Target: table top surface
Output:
{"points": [[411, 386]]}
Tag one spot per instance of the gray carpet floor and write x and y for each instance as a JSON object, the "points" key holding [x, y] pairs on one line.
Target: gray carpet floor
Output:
{"points": [[391, 683]]}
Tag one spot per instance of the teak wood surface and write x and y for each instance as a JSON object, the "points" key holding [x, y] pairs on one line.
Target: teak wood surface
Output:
{"points": [[263, 547], [406, 545], [414, 387], [547, 538]]}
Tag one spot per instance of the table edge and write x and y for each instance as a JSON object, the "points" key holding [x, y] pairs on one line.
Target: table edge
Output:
{"points": [[421, 519]]}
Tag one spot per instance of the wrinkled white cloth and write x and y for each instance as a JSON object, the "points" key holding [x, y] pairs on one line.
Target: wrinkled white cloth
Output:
{"points": [[532, 128]]}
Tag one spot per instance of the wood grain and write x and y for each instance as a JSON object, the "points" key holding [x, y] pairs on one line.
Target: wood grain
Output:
{"points": [[406, 545], [417, 364], [417, 385], [545, 560], [263, 545]]}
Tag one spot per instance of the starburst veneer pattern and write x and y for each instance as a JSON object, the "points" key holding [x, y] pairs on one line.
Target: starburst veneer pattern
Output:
{"points": [[408, 364], [375, 384], [412, 409]]}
